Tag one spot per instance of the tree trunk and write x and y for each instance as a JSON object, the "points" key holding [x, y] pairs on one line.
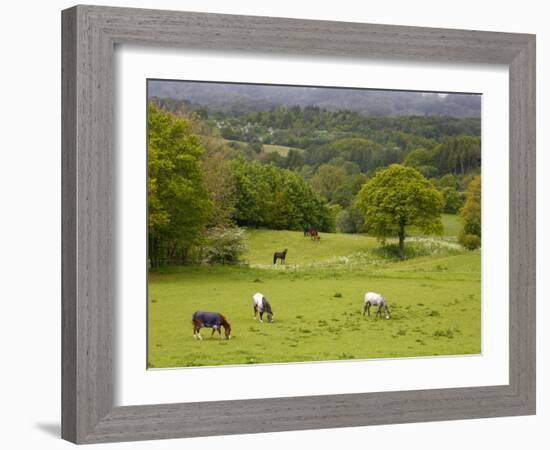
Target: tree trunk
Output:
{"points": [[401, 235]]}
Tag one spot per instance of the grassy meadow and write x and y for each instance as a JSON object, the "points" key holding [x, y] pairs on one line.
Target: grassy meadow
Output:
{"points": [[317, 299]]}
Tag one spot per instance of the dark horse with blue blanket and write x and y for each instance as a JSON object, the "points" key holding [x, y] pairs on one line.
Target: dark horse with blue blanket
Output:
{"points": [[214, 320]]}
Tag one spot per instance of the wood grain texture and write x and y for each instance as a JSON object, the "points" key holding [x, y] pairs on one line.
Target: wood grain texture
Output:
{"points": [[89, 36], [68, 227]]}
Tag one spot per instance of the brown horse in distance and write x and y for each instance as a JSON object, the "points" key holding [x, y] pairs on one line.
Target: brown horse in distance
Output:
{"points": [[280, 255]]}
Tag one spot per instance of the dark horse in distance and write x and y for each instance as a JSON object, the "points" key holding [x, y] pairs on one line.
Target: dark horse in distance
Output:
{"points": [[279, 255]]}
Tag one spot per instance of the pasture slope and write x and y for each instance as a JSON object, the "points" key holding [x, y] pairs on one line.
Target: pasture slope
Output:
{"points": [[317, 301]]}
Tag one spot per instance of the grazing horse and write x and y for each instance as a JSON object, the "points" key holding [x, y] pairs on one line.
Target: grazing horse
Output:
{"points": [[279, 255], [261, 305], [212, 320], [311, 232], [374, 299]]}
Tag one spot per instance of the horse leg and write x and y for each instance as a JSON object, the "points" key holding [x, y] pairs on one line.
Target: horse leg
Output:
{"points": [[196, 331], [379, 311], [364, 309], [368, 309], [261, 317], [255, 312], [387, 311]]}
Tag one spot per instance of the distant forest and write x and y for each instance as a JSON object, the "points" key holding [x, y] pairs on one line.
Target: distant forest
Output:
{"points": [[436, 145]]}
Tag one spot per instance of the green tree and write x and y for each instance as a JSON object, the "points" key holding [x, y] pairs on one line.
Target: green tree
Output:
{"points": [[452, 200], [448, 180], [471, 213], [294, 159], [397, 197], [270, 197], [418, 158], [350, 220], [178, 203], [256, 147], [458, 155], [331, 182], [220, 184]]}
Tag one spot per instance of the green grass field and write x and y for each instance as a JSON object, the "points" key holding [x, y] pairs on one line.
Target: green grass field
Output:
{"points": [[317, 301], [280, 149], [268, 148]]}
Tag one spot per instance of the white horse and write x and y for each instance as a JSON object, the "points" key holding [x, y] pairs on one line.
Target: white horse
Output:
{"points": [[378, 300], [261, 305]]}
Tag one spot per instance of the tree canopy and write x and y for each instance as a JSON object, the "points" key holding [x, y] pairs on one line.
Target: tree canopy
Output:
{"points": [[178, 203], [210, 173], [270, 197], [471, 215], [397, 197]]}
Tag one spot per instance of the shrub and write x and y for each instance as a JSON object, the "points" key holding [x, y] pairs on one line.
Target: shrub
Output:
{"points": [[452, 199], [225, 245], [470, 241], [350, 220], [418, 247], [470, 213]]}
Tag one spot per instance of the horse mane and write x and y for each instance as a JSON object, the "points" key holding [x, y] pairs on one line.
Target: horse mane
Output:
{"points": [[224, 321]]}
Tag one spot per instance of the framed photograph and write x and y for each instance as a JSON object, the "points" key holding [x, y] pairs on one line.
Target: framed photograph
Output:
{"points": [[264, 229]]}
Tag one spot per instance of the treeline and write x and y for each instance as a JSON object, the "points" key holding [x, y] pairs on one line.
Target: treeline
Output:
{"points": [[311, 126], [457, 155], [278, 199], [435, 145], [337, 170], [203, 188], [197, 199]]}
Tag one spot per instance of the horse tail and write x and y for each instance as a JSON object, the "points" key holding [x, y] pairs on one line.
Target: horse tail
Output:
{"points": [[274, 258]]}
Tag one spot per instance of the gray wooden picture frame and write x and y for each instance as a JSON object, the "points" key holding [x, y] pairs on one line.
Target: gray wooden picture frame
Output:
{"points": [[90, 34]]}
